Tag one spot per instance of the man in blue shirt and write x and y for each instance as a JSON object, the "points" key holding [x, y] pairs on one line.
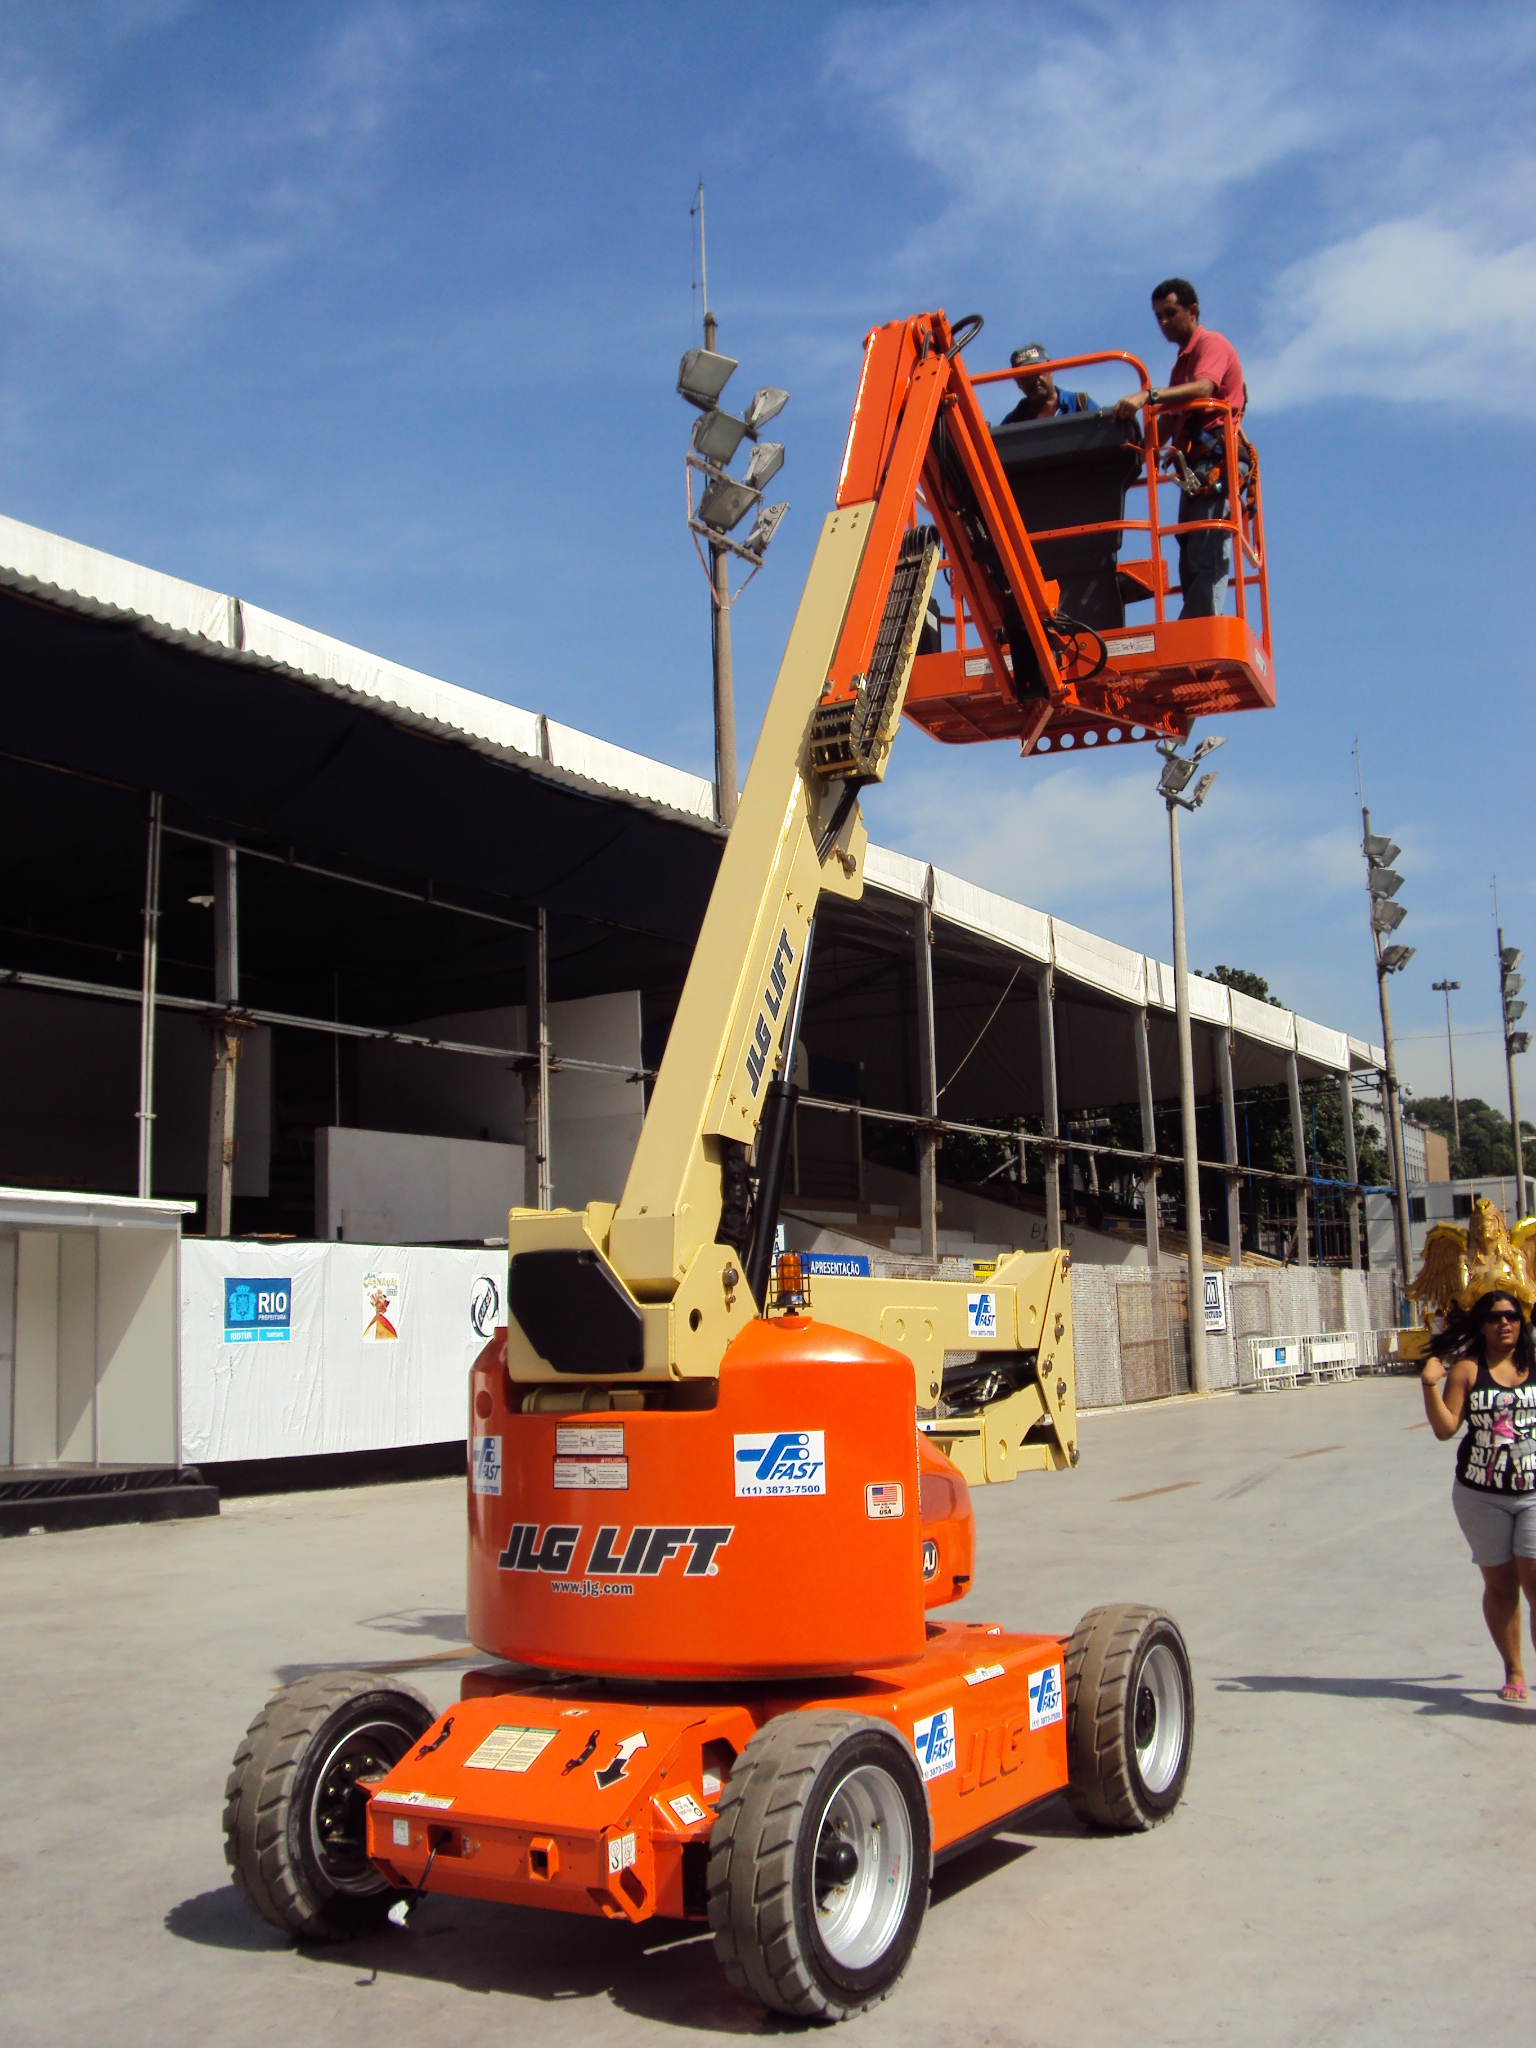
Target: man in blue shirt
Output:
{"points": [[1042, 400]]}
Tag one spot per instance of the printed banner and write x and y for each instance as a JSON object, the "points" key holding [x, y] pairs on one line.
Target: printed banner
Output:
{"points": [[294, 1349]]}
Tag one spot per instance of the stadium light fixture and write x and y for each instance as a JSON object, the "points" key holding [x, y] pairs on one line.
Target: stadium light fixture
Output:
{"points": [[767, 404], [703, 375], [767, 459], [1178, 769], [717, 435], [725, 504], [763, 529], [1395, 958]]}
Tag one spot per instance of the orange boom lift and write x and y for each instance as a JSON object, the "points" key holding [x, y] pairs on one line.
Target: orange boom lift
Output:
{"points": [[709, 1529]]}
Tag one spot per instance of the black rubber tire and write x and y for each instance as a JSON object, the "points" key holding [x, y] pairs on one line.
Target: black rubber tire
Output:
{"points": [[1105, 1662], [273, 1784], [762, 1872]]}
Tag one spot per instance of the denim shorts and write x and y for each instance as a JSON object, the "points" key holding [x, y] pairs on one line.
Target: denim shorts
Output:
{"points": [[1497, 1526]]}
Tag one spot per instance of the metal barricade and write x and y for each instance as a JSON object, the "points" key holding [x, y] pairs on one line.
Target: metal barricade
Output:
{"points": [[1275, 1361], [1333, 1355]]}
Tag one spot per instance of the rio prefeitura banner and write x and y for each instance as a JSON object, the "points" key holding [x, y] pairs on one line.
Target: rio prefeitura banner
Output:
{"points": [[288, 1350]]}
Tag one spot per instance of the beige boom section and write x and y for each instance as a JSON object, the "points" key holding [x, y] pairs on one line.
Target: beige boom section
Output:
{"points": [[665, 1295]]}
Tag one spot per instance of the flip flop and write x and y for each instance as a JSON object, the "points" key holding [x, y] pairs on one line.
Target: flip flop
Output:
{"points": [[1513, 1694]]}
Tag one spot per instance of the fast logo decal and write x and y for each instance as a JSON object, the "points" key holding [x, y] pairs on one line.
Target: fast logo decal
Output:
{"points": [[531, 1547], [981, 1314], [789, 1461], [933, 1738], [1045, 1703], [773, 1002], [485, 1466]]}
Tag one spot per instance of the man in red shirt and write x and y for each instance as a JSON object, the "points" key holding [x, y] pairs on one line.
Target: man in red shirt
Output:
{"points": [[1205, 367]]}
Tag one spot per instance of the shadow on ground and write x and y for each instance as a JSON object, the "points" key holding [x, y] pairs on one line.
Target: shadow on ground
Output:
{"points": [[1436, 1696], [418, 1627], [663, 1970]]}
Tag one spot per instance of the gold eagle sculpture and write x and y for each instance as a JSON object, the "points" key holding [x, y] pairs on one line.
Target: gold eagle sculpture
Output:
{"points": [[1460, 1265]]}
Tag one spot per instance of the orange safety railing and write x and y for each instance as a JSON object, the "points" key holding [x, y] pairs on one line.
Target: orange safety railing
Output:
{"points": [[1244, 523]]}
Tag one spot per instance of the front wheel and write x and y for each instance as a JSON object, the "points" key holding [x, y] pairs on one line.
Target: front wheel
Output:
{"points": [[1130, 1717], [819, 1864], [295, 1812]]}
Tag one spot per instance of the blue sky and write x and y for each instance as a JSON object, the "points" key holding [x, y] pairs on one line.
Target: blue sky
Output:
{"points": [[371, 315]]}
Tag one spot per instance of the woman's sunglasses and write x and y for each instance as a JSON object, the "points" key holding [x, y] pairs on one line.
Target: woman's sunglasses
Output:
{"points": [[1504, 1315]]}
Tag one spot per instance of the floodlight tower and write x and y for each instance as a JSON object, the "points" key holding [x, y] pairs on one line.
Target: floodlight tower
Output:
{"points": [[725, 503], [1445, 988], [1382, 884], [1515, 1042], [1178, 769]]}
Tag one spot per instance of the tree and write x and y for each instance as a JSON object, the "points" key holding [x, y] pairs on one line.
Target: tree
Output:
{"points": [[1245, 981], [1264, 1116], [1486, 1148]]}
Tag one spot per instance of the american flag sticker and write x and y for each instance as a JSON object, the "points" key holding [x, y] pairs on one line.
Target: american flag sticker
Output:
{"points": [[884, 1503]]}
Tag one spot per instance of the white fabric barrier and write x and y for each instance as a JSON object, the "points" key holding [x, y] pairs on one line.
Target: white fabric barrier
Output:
{"points": [[289, 1350]]}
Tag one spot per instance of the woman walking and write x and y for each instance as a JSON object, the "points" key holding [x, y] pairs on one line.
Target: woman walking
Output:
{"points": [[1490, 1385]]}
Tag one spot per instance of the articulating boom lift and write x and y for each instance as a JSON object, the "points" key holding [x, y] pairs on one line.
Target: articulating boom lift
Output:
{"points": [[703, 1516]]}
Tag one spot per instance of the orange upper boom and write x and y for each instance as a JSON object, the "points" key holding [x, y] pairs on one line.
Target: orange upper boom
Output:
{"points": [[1017, 664]]}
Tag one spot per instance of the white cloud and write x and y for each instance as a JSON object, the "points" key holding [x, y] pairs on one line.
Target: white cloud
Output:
{"points": [[1083, 132], [1267, 884], [1428, 310], [1093, 137]]}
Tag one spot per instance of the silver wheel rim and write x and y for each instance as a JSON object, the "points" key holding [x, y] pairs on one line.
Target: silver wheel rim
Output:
{"points": [[1159, 1719], [862, 1867], [337, 1808]]}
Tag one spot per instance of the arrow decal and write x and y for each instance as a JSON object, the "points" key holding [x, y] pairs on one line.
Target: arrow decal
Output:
{"points": [[611, 1773]]}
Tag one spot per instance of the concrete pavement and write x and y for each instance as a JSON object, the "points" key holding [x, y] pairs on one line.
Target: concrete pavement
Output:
{"points": [[1349, 1863]]}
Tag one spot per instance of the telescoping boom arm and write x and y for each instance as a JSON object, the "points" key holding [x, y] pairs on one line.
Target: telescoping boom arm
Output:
{"points": [[655, 1287]]}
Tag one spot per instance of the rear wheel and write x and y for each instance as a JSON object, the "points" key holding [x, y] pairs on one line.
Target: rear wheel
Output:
{"points": [[819, 1864], [294, 1811], [1130, 1717]]}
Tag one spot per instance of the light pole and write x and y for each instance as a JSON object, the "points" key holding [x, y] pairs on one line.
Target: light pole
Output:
{"points": [[726, 502], [1510, 985], [1444, 988], [1177, 772], [1381, 886]]}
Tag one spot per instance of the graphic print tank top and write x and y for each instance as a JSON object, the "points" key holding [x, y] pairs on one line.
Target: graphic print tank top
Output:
{"points": [[1498, 1452]]}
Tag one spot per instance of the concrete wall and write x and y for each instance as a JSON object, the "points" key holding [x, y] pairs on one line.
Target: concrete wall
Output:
{"points": [[1130, 1329], [594, 1119], [400, 1187]]}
